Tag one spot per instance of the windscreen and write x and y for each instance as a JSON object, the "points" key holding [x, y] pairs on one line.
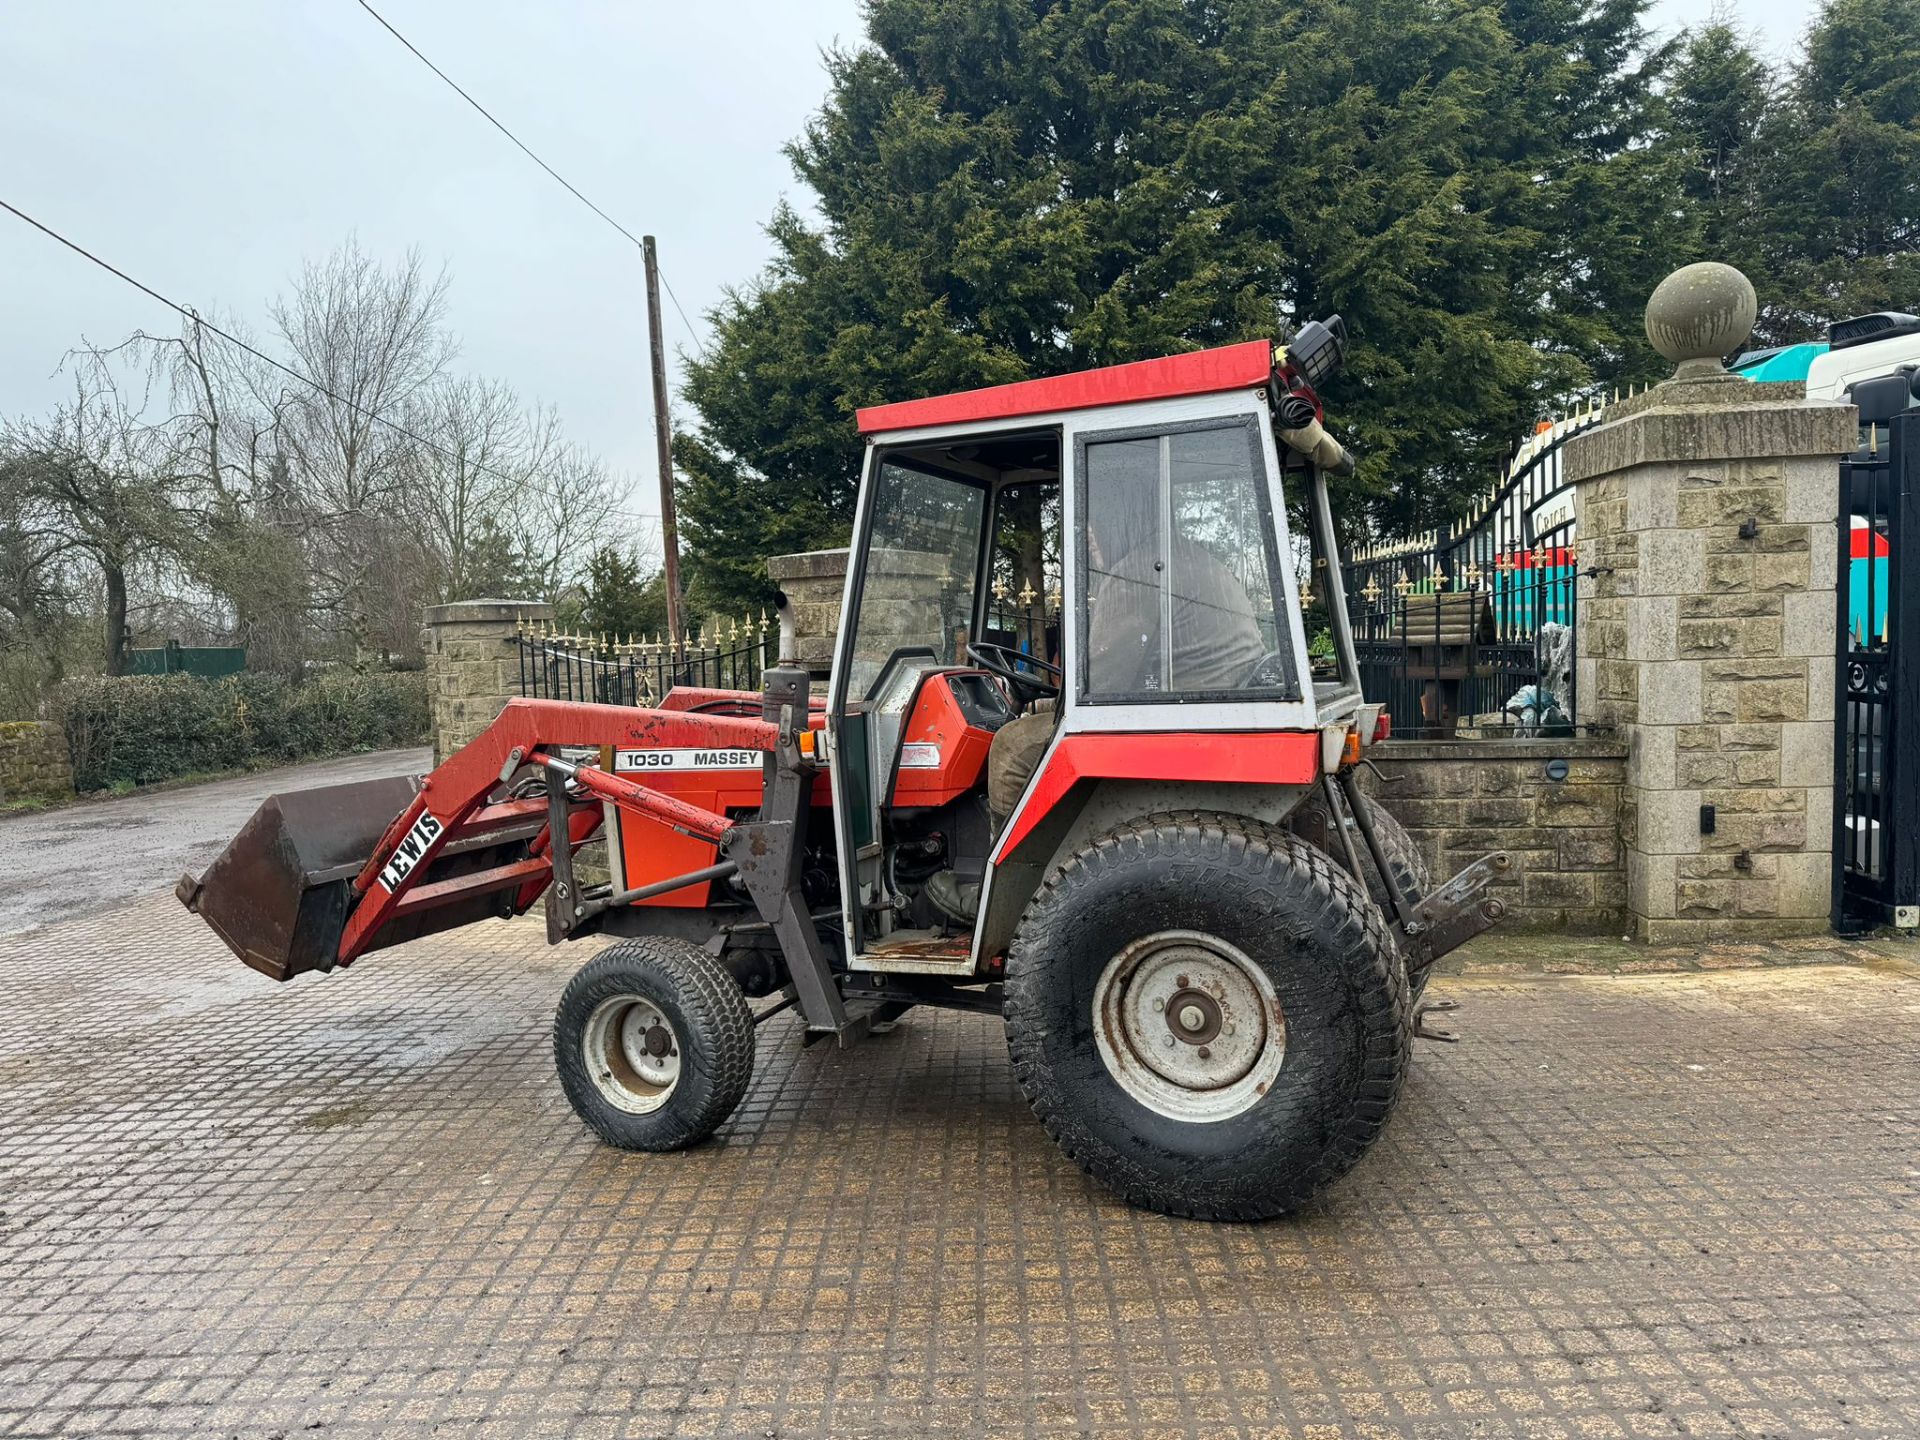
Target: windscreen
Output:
{"points": [[916, 591]]}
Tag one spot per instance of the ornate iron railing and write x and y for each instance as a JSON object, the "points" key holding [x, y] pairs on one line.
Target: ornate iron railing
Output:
{"points": [[1472, 627], [615, 670]]}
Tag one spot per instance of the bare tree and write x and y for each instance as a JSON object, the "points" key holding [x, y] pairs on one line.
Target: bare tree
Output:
{"points": [[566, 509], [373, 339], [461, 492], [98, 475], [496, 469], [220, 494], [36, 597]]}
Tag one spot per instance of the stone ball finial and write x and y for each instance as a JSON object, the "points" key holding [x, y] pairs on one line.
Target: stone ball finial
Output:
{"points": [[1699, 315]]}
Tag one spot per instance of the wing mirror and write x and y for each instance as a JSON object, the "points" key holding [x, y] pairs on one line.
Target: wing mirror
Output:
{"points": [[1884, 396]]}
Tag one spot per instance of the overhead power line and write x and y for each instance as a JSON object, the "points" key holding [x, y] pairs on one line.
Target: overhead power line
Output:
{"points": [[189, 313], [527, 150], [676, 305]]}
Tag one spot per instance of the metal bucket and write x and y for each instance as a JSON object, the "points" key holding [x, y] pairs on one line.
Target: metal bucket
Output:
{"points": [[278, 894]]}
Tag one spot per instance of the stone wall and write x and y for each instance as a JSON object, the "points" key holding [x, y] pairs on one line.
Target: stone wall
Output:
{"points": [[473, 665], [33, 763], [1708, 554], [1461, 799]]}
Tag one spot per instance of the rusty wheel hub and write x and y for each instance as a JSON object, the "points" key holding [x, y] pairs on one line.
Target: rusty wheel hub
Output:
{"points": [[1189, 1025], [631, 1051]]}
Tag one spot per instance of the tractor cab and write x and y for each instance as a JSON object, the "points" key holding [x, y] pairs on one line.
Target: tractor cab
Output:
{"points": [[1065, 599]]}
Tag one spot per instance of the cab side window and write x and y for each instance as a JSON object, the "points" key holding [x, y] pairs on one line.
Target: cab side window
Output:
{"points": [[1182, 568]]}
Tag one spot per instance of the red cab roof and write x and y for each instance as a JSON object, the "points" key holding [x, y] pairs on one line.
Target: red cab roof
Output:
{"points": [[1199, 372]]}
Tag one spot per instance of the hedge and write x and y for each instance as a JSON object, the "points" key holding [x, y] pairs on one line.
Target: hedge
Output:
{"points": [[142, 728]]}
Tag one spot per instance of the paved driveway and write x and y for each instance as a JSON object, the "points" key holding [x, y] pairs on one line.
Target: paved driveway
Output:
{"points": [[101, 852], [1641, 1205]]}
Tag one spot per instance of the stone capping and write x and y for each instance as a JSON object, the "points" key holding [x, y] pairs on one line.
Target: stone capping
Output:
{"points": [[1531, 747], [1739, 426], [481, 612], [808, 565]]}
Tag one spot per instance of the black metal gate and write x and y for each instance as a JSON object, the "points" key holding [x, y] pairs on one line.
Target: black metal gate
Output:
{"points": [[1474, 626], [1876, 800]]}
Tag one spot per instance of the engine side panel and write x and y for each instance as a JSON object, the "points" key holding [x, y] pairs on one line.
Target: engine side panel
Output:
{"points": [[715, 778], [943, 749]]}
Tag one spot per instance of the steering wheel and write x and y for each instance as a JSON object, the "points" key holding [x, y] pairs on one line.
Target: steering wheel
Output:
{"points": [[1003, 661]]}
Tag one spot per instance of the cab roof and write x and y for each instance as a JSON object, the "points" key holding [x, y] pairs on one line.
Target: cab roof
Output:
{"points": [[1199, 372]]}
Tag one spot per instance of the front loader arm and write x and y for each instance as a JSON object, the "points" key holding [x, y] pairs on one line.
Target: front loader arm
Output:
{"points": [[302, 887], [453, 803], [316, 878]]}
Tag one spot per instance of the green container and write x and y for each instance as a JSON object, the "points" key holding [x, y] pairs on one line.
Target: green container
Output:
{"points": [[209, 662]]}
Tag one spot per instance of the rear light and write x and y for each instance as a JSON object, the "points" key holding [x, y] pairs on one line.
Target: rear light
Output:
{"points": [[1350, 752], [1383, 728]]}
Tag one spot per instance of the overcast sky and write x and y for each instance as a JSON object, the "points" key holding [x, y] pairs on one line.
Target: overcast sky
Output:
{"points": [[207, 146]]}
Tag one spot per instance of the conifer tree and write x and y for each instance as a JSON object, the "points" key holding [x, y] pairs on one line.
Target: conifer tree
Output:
{"points": [[1487, 190]]}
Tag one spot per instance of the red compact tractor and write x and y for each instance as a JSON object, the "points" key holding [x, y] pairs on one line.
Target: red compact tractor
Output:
{"points": [[1073, 767]]}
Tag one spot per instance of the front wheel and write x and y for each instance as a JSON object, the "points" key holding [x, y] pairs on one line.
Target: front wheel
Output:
{"points": [[654, 1044], [1208, 1015]]}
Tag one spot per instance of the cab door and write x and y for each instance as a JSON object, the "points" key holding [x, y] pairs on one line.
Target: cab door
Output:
{"points": [[913, 577]]}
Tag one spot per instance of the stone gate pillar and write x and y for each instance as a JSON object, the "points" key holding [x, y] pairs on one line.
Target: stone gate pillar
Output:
{"points": [[1708, 555], [813, 581], [473, 665]]}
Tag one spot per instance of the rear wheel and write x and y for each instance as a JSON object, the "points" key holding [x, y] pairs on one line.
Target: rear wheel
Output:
{"points": [[1208, 1015], [654, 1044]]}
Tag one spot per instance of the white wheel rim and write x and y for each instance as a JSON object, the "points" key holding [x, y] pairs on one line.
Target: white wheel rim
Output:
{"points": [[632, 1052], [1189, 1026]]}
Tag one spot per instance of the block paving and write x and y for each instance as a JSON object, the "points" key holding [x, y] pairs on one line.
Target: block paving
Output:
{"points": [[1627, 1205]]}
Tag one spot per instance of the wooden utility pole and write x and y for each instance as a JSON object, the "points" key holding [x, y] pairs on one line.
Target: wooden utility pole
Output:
{"points": [[663, 439]]}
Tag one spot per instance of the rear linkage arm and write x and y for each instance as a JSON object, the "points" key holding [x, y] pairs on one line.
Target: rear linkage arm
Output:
{"points": [[1434, 925]]}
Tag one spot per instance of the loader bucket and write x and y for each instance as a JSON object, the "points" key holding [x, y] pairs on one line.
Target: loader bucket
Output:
{"points": [[278, 894]]}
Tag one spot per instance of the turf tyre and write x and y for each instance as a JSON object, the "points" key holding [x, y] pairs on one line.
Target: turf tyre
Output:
{"points": [[1333, 969], [707, 1016]]}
